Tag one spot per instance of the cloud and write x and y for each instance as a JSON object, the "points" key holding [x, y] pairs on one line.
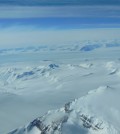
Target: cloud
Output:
{"points": [[14, 37], [59, 11], [58, 2]]}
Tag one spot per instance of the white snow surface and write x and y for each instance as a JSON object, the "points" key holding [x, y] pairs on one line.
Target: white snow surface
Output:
{"points": [[84, 87], [81, 116]]}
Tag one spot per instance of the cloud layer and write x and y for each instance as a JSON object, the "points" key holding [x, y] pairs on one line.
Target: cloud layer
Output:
{"points": [[59, 11], [18, 37], [58, 2]]}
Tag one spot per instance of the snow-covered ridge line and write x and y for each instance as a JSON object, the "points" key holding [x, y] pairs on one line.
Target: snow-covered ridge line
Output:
{"points": [[79, 46], [60, 83], [10, 74], [74, 117]]}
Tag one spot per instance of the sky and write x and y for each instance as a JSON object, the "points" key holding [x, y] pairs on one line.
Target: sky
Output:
{"points": [[58, 2], [36, 22]]}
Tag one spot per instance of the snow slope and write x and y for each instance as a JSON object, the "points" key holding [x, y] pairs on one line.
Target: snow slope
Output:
{"points": [[82, 115], [95, 112]]}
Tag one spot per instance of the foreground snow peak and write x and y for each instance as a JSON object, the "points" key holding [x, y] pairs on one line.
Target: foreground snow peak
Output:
{"points": [[80, 116]]}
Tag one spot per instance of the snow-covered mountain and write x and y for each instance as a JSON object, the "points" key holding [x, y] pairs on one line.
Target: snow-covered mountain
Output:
{"points": [[86, 115], [33, 83], [87, 45], [96, 112]]}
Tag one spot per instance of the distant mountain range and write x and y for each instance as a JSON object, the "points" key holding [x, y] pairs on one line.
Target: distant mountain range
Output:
{"points": [[82, 46]]}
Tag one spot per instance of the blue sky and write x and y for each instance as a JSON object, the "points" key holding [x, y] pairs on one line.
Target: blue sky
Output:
{"points": [[60, 16], [61, 23]]}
